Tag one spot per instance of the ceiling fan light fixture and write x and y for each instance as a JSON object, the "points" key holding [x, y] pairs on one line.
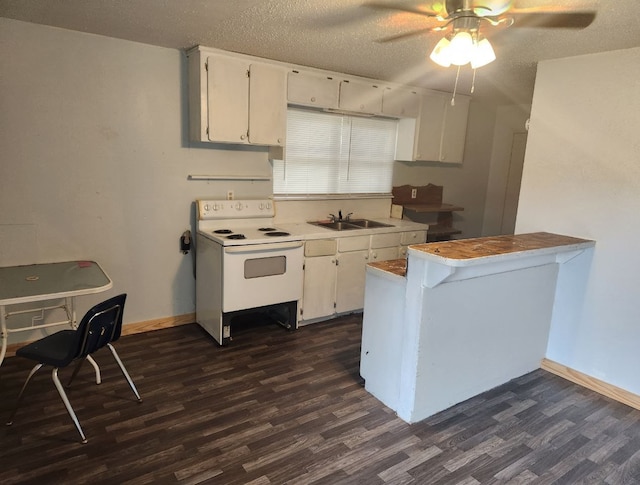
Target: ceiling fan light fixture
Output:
{"points": [[461, 48], [483, 54], [440, 54]]}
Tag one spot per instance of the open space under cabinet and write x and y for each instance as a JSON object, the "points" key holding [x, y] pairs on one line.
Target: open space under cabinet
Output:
{"points": [[424, 204]]}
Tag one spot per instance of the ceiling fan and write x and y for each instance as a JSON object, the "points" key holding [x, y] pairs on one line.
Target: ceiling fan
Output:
{"points": [[464, 43], [491, 12]]}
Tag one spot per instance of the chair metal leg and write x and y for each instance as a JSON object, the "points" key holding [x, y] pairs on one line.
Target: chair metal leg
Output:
{"points": [[77, 369], [96, 368], [124, 372], [15, 410], [75, 372], [67, 404]]}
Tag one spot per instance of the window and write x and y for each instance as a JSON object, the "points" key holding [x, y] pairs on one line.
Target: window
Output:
{"points": [[329, 153]]}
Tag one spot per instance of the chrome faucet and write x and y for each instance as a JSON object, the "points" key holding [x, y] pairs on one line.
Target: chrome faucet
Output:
{"points": [[332, 217]]}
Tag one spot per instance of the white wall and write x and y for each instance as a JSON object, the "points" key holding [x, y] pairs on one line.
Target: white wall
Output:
{"points": [[464, 184], [95, 159], [582, 178]]}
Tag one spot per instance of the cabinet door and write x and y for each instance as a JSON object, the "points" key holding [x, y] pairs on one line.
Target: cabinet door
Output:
{"points": [[384, 254], [454, 130], [361, 97], [429, 131], [307, 89], [400, 103], [350, 280], [267, 105], [318, 297], [228, 99], [413, 237]]}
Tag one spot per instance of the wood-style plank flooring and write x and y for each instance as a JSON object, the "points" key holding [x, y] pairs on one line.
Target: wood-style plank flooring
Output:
{"points": [[280, 407]]}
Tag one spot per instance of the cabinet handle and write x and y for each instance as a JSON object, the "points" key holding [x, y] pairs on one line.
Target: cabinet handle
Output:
{"points": [[313, 99], [243, 136]]}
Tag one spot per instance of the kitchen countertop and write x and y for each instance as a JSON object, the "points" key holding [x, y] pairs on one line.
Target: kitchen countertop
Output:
{"points": [[463, 252], [396, 267], [308, 231]]}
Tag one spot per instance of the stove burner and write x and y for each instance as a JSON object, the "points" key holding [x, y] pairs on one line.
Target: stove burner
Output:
{"points": [[277, 233], [237, 236], [267, 229], [223, 231]]}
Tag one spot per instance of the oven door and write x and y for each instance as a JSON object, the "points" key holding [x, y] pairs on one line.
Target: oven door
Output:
{"points": [[261, 274]]}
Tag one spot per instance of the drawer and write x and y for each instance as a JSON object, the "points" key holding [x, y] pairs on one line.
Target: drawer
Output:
{"points": [[385, 240], [413, 237], [356, 243], [320, 247]]}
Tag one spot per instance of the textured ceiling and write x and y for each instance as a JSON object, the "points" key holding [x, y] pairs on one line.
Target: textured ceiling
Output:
{"points": [[343, 35]]}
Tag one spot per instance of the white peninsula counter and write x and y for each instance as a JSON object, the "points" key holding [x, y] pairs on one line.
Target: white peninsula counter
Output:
{"points": [[460, 317]]}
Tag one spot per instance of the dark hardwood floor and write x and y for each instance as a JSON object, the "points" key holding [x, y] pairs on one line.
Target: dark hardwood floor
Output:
{"points": [[280, 407]]}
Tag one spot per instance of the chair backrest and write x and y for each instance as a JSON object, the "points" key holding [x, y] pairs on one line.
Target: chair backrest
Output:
{"points": [[101, 325]]}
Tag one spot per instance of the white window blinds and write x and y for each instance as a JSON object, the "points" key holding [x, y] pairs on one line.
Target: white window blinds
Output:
{"points": [[328, 153]]}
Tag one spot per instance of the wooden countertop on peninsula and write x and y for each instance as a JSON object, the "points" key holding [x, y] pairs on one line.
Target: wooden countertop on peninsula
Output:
{"points": [[483, 247], [396, 267]]}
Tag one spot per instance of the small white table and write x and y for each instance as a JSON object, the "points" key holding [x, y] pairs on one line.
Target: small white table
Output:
{"points": [[47, 281]]}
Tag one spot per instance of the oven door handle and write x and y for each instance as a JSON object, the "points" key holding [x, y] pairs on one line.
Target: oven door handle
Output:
{"points": [[258, 248]]}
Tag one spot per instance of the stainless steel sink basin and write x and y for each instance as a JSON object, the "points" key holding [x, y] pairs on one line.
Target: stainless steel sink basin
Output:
{"points": [[351, 224], [336, 226], [366, 223]]}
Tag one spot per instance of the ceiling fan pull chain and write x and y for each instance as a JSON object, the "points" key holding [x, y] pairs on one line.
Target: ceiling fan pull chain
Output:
{"points": [[473, 81], [455, 88]]}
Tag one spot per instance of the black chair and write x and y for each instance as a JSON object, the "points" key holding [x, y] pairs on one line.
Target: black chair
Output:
{"points": [[99, 327]]}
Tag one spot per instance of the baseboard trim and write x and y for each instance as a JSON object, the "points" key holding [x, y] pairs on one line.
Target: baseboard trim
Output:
{"points": [[133, 328], [584, 380]]}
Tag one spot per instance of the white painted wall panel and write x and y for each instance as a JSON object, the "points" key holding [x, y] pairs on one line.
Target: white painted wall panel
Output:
{"points": [[95, 160], [581, 178]]}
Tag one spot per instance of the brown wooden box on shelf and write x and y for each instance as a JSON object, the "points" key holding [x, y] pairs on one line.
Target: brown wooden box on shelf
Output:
{"points": [[426, 206]]}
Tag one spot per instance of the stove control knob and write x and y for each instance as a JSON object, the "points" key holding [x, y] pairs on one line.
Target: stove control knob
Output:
{"points": [[239, 206], [206, 207], [268, 205], [261, 205]]}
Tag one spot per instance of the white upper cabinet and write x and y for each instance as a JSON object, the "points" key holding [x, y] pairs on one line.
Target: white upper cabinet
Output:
{"points": [[400, 102], [311, 89], [438, 134], [454, 129], [227, 99], [267, 105], [236, 100], [361, 97]]}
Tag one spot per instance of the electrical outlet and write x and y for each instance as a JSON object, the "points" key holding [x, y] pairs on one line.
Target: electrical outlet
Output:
{"points": [[229, 194], [414, 193]]}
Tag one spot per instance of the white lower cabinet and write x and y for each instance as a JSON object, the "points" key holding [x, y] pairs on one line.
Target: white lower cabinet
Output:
{"points": [[408, 238], [384, 246], [335, 270], [353, 255], [319, 287]]}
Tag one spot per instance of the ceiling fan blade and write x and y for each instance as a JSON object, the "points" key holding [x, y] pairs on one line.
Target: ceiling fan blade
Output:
{"points": [[565, 20], [400, 8], [406, 35]]}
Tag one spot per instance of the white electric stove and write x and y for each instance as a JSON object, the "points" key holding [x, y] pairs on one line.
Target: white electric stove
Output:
{"points": [[244, 263]]}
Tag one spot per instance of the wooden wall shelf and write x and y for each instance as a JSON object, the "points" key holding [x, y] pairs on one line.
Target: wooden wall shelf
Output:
{"points": [[426, 200]]}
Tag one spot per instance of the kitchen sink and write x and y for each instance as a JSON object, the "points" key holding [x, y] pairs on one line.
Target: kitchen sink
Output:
{"points": [[366, 223], [336, 226], [351, 224]]}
